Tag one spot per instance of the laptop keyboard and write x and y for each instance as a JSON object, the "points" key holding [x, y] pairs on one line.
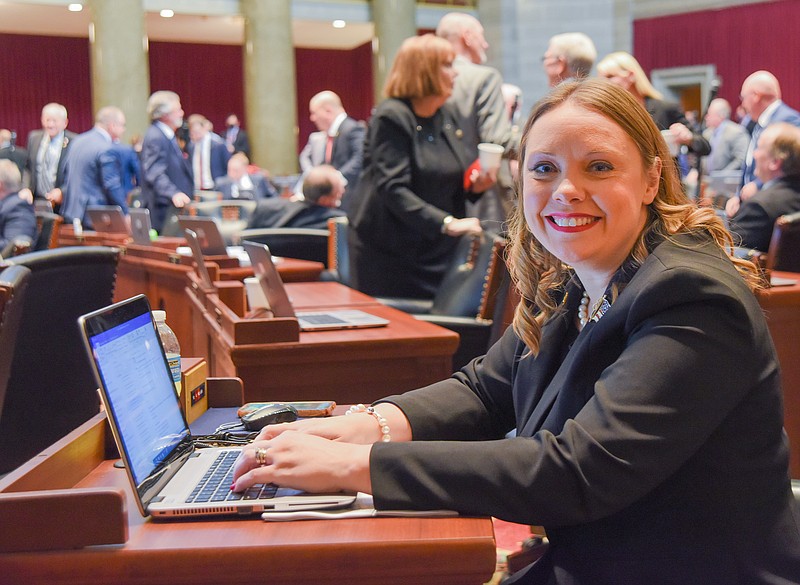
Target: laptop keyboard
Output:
{"points": [[321, 319], [215, 485]]}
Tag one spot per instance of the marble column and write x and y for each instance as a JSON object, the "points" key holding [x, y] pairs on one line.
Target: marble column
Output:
{"points": [[395, 21], [120, 70], [270, 86]]}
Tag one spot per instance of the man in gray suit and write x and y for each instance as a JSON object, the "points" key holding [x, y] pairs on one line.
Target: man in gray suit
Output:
{"points": [[569, 56], [479, 104], [728, 139], [47, 150], [91, 177]]}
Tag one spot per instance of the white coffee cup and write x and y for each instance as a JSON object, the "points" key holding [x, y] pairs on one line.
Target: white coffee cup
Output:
{"points": [[672, 143], [489, 156], [255, 294]]}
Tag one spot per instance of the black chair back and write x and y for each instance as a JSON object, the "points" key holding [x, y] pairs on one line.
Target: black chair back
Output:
{"points": [[13, 282], [48, 224], [301, 243], [338, 255], [784, 247], [51, 387]]}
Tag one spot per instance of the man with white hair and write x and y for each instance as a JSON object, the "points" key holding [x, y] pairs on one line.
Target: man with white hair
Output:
{"points": [[569, 56], [728, 139], [47, 150], [761, 101], [167, 182], [92, 177], [478, 101], [17, 218]]}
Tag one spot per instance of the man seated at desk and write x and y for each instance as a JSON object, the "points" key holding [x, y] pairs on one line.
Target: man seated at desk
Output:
{"points": [[777, 165], [323, 188], [239, 184]]}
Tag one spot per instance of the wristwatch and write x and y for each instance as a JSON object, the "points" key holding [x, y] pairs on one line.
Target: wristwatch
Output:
{"points": [[446, 222]]}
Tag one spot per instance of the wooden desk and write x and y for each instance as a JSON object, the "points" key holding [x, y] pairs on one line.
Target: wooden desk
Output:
{"points": [[781, 306], [275, 362], [376, 551], [161, 274]]}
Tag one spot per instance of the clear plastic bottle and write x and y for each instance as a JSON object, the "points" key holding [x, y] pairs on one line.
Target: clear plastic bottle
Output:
{"points": [[171, 347]]}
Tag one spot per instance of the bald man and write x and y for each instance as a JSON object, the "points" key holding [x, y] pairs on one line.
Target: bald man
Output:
{"points": [[761, 100], [478, 101]]}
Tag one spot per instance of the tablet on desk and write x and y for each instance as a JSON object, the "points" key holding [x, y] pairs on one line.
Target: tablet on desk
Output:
{"points": [[107, 219]]}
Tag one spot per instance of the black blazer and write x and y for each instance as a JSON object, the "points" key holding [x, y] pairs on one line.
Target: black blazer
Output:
{"points": [[165, 172], [665, 114], [650, 448], [754, 221]]}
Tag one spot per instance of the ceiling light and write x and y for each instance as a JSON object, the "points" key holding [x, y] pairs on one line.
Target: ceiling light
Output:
{"points": [[75, 7], [167, 13], [339, 24]]}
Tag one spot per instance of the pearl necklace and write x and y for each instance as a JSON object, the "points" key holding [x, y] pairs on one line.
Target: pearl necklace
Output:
{"points": [[598, 309]]}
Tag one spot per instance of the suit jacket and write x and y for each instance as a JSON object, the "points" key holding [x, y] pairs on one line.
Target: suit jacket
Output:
{"points": [[240, 142], [126, 160], [280, 212], [19, 156], [33, 144], [218, 156], [347, 153], [478, 100], [17, 220], [91, 178], [754, 221], [262, 189], [665, 114], [728, 147], [165, 172], [782, 113], [645, 448]]}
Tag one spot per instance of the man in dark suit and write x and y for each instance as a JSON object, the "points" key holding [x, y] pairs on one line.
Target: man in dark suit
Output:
{"points": [[478, 100], [91, 177], [339, 142], [761, 101], [17, 218], [235, 137], [777, 166], [166, 175], [47, 150], [323, 188], [239, 184], [207, 153]]}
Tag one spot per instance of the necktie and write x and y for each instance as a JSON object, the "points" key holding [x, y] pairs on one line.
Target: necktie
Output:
{"points": [[328, 149], [750, 167]]}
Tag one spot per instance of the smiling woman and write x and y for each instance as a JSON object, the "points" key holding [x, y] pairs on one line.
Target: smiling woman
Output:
{"points": [[648, 422]]}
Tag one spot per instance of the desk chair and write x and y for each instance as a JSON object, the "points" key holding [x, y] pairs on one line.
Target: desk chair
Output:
{"points": [[13, 282], [51, 387], [48, 225], [784, 246], [301, 243], [471, 299]]}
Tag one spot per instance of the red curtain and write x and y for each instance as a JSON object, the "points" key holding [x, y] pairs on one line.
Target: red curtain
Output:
{"points": [[209, 79], [738, 40]]}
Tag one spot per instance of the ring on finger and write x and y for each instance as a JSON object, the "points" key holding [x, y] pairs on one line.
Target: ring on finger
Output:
{"points": [[261, 456]]}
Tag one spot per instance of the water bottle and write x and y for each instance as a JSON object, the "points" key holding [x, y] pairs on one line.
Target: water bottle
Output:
{"points": [[171, 347]]}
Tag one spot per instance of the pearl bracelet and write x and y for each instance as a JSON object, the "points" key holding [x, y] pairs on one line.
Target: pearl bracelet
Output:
{"points": [[358, 408]]}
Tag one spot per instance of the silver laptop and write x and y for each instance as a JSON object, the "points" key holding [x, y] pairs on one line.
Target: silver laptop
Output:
{"points": [[140, 225], [170, 476], [199, 261], [107, 219], [211, 241], [281, 306]]}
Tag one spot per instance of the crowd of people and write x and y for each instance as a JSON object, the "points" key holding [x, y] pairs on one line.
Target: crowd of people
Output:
{"points": [[615, 411]]}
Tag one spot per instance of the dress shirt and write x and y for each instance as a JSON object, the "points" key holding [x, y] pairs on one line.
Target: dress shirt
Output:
{"points": [[201, 164]]}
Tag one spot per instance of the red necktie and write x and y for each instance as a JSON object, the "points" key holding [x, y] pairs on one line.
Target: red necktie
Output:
{"points": [[328, 149]]}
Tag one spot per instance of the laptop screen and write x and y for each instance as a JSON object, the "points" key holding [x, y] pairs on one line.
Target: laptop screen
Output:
{"points": [[138, 388]]}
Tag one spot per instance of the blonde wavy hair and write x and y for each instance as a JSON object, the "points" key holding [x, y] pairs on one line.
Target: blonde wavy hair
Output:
{"points": [[538, 274]]}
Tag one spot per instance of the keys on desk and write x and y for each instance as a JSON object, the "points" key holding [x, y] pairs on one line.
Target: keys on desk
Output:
{"points": [[215, 485]]}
